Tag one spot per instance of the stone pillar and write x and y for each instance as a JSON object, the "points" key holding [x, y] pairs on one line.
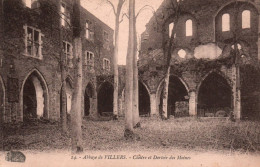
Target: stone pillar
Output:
{"points": [[158, 102], [236, 92], [93, 112], [192, 103], [121, 103], [153, 104]]}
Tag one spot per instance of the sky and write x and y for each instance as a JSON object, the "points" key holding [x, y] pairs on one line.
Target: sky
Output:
{"points": [[103, 11]]}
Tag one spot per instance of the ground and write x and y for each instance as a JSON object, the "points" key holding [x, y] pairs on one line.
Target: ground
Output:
{"points": [[190, 137]]}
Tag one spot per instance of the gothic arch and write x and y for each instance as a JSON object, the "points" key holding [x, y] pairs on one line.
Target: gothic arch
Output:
{"points": [[159, 87], [105, 98], [122, 93], [92, 86], [214, 93], [104, 82], [145, 103], [41, 87], [69, 80], [147, 87], [89, 95], [176, 93], [217, 72], [67, 95]]}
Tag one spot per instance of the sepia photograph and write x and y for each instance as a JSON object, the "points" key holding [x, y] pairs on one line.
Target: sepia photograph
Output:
{"points": [[129, 83]]}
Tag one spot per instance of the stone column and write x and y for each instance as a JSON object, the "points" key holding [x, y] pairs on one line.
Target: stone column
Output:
{"points": [[158, 102], [153, 104], [93, 111], [192, 103], [119, 106], [121, 103]]}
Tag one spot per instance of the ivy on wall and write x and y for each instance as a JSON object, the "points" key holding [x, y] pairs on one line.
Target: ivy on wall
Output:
{"points": [[200, 66]]}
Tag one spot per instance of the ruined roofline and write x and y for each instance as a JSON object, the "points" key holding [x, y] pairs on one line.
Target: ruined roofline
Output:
{"points": [[193, 4], [153, 17]]}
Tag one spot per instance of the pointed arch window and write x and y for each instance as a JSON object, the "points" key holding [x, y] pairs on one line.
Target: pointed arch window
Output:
{"points": [[189, 28], [246, 19], [171, 25], [225, 22]]}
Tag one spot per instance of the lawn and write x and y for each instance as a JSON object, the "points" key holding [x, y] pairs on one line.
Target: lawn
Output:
{"points": [[181, 133]]}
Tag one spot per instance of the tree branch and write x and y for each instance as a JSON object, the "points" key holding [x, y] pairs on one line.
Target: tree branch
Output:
{"points": [[113, 7], [144, 8], [122, 18]]}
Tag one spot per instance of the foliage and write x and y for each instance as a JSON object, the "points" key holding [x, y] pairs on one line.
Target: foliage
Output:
{"points": [[250, 91], [200, 66], [76, 19]]}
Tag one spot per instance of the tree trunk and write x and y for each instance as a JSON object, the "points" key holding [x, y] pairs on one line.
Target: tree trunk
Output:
{"points": [[236, 84], [129, 74], [115, 62], [76, 116], [63, 88], [2, 131], [63, 106], [115, 58], [170, 47], [165, 94], [136, 119]]}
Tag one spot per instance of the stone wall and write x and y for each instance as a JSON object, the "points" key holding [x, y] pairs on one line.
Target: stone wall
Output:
{"points": [[16, 64], [208, 50]]}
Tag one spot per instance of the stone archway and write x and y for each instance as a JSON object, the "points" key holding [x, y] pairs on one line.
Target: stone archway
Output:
{"points": [[214, 96], [69, 92], [178, 104], [177, 100], [34, 97], [2, 100], [105, 99], [144, 100], [67, 96], [88, 99]]}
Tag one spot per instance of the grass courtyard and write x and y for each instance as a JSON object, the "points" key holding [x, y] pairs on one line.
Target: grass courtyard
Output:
{"points": [[181, 133]]}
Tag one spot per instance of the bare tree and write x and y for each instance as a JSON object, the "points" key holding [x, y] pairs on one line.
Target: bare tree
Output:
{"points": [[236, 67], [117, 12], [175, 9], [136, 119], [76, 116], [129, 73]]}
